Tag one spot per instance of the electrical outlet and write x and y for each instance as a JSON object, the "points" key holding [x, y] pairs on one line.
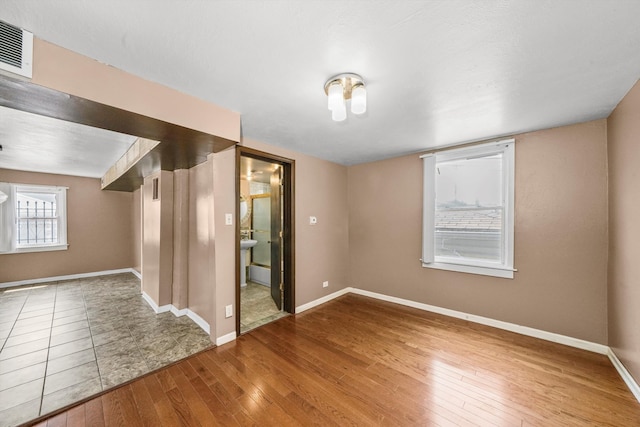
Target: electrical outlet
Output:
{"points": [[325, 284], [228, 311], [313, 220], [228, 219]]}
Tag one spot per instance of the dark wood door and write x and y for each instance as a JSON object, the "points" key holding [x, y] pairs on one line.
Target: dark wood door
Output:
{"points": [[276, 238]]}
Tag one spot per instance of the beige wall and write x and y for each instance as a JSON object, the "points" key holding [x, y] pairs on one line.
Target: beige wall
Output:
{"points": [[99, 231], [322, 250], [136, 230], [66, 71], [624, 231], [369, 218], [201, 294], [224, 237], [157, 245], [180, 287], [560, 236], [69, 72]]}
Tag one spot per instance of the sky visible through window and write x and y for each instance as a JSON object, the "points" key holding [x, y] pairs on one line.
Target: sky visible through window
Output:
{"points": [[468, 215], [469, 183]]}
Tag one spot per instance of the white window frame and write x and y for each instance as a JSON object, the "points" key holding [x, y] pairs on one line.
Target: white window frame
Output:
{"points": [[502, 269], [9, 219]]}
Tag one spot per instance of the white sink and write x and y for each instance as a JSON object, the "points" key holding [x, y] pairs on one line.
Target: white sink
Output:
{"points": [[246, 244]]}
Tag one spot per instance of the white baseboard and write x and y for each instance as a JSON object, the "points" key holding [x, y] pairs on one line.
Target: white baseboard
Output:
{"points": [[176, 312], [68, 277], [179, 313], [136, 273], [164, 308], [199, 321], [523, 330], [231, 336], [150, 301], [626, 375], [326, 298]]}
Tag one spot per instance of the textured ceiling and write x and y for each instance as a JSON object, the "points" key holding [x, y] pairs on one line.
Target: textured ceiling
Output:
{"points": [[42, 144], [437, 72]]}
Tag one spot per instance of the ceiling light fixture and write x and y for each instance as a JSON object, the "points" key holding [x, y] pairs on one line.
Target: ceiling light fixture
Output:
{"points": [[340, 89]]}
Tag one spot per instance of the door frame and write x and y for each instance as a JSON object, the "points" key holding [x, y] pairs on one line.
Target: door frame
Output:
{"points": [[288, 238]]}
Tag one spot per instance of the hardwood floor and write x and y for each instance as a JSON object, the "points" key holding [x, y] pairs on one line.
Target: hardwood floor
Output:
{"points": [[358, 361]]}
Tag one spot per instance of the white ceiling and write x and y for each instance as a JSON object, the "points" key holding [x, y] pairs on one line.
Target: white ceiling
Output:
{"points": [[256, 170], [437, 72], [36, 143]]}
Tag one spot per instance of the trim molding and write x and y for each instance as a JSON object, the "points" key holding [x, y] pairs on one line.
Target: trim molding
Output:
{"points": [[519, 329], [157, 309], [178, 313], [626, 375], [231, 336], [322, 300], [150, 301], [198, 320], [68, 277], [523, 330]]}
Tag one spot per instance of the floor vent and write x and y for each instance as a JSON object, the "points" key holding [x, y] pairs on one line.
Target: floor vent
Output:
{"points": [[16, 50]]}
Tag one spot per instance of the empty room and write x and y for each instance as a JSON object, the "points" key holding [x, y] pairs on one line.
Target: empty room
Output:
{"points": [[285, 212]]}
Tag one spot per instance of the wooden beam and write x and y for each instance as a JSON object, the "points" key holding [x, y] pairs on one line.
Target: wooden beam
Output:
{"points": [[180, 147], [135, 154]]}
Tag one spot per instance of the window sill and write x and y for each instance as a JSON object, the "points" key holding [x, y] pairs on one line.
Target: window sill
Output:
{"points": [[27, 249], [472, 269]]}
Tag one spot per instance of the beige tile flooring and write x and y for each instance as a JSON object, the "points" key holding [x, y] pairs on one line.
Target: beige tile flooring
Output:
{"points": [[63, 341], [256, 307]]}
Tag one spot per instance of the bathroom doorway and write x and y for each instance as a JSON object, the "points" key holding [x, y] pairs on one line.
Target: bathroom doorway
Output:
{"points": [[265, 255]]}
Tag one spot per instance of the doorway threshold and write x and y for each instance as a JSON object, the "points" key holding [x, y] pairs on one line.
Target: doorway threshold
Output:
{"points": [[257, 307]]}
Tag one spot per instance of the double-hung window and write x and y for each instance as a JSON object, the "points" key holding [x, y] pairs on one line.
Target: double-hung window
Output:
{"points": [[468, 209], [32, 218]]}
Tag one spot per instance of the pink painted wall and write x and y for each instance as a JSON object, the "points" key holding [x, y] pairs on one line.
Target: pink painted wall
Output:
{"points": [[624, 230], [560, 236], [99, 231]]}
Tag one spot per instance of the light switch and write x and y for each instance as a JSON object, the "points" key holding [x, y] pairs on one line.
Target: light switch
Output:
{"points": [[313, 220], [228, 311], [228, 219]]}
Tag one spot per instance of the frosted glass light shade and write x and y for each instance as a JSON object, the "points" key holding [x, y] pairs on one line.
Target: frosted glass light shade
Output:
{"points": [[335, 96], [339, 113], [359, 100]]}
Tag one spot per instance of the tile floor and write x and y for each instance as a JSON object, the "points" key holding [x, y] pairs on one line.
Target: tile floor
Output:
{"points": [[256, 307], [63, 341]]}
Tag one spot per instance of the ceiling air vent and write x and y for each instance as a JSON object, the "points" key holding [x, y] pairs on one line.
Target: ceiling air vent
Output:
{"points": [[16, 50]]}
